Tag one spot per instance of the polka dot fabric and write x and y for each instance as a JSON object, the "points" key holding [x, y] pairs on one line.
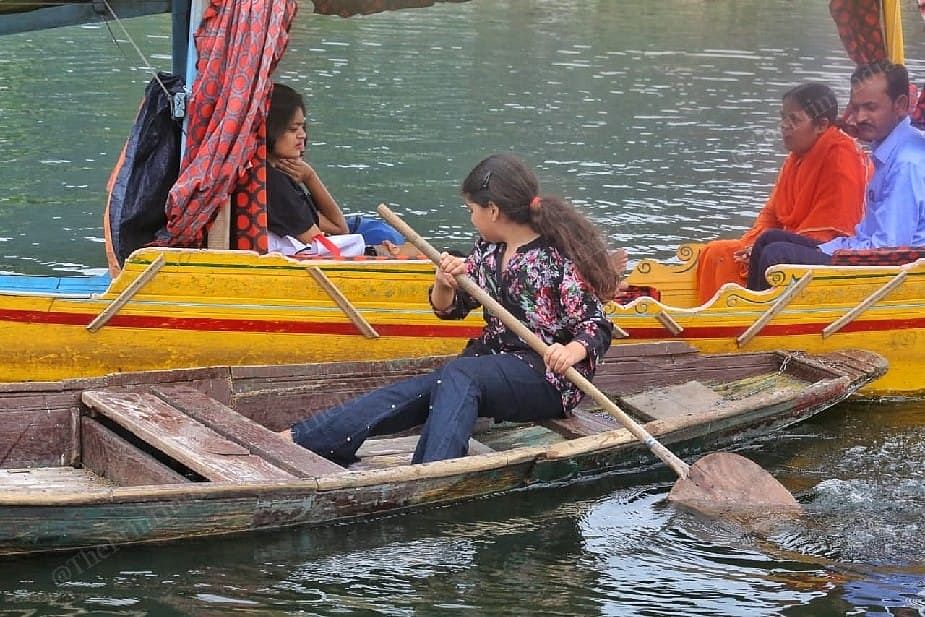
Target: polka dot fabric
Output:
{"points": [[858, 24], [239, 44]]}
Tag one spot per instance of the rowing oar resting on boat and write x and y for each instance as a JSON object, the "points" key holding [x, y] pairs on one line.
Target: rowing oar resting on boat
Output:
{"points": [[718, 482]]}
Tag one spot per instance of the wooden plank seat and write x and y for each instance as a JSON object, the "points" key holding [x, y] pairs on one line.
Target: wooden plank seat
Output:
{"points": [[114, 458], [235, 427], [182, 438], [667, 402]]}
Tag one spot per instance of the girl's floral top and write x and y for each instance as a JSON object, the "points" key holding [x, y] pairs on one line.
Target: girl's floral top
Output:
{"points": [[543, 289]]}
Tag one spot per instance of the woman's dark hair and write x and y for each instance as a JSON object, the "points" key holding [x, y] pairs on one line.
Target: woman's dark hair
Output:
{"points": [[817, 100], [504, 180], [283, 103]]}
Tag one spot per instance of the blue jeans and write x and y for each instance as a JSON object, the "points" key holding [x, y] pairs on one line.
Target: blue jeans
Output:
{"points": [[447, 401], [373, 230], [777, 246]]}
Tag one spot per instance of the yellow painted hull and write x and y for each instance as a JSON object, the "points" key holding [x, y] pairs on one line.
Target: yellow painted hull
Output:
{"points": [[226, 307], [234, 307], [894, 326]]}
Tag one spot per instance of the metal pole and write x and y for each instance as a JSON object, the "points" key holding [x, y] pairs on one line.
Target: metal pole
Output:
{"points": [[179, 10]]}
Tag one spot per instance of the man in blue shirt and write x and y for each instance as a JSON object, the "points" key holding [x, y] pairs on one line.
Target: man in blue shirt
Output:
{"points": [[894, 212]]}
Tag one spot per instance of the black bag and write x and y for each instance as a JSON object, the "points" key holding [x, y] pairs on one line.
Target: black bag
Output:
{"points": [[149, 170]]}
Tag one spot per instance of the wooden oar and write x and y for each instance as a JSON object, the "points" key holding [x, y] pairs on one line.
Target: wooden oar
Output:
{"points": [[718, 482]]}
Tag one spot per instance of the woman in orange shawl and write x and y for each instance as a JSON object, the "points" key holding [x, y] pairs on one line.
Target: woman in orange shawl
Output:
{"points": [[819, 191]]}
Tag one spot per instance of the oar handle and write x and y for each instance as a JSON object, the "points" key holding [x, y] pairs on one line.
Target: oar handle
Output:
{"points": [[680, 467]]}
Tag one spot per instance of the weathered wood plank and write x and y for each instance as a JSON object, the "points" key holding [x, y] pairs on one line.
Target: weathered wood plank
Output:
{"points": [[244, 376], [35, 437], [688, 398], [276, 409], [110, 456], [257, 439], [407, 444], [39, 402], [185, 375], [280, 403], [182, 438], [580, 424], [397, 451], [66, 479], [509, 436], [664, 348], [621, 377]]}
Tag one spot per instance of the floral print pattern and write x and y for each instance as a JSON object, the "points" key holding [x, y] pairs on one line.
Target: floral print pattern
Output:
{"points": [[544, 290]]}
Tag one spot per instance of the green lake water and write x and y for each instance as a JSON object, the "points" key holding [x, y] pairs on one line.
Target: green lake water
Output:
{"points": [[658, 119]]}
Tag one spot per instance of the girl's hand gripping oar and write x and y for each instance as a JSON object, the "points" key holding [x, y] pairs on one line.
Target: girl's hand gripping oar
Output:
{"points": [[717, 482]]}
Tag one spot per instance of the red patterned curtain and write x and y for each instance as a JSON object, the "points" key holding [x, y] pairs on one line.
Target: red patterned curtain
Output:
{"points": [[239, 45], [859, 27], [918, 115]]}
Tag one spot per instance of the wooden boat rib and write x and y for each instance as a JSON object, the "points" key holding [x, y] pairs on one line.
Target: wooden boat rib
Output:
{"points": [[156, 456]]}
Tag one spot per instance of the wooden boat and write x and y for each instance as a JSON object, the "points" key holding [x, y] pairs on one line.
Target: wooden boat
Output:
{"points": [[141, 457], [179, 308], [817, 309]]}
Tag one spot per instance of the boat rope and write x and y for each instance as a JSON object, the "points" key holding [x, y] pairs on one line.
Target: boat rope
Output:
{"points": [[141, 55], [783, 365]]}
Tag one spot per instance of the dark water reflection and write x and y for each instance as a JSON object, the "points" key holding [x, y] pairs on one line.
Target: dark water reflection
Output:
{"points": [[659, 120]]}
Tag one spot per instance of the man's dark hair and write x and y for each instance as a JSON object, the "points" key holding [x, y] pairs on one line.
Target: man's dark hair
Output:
{"points": [[897, 78]]}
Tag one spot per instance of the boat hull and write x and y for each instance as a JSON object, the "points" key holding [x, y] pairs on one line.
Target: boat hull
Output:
{"points": [[66, 519], [207, 308]]}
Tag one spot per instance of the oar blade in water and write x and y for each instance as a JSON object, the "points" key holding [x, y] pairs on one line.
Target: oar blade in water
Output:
{"points": [[723, 482]]}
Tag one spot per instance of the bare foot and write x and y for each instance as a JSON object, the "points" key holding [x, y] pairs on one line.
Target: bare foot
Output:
{"points": [[285, 434], [390, 249]]}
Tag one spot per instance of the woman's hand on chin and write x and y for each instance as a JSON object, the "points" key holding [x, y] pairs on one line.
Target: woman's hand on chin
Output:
{"points": [[297, 169]]}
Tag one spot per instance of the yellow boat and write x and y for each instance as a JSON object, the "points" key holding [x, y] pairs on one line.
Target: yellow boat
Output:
{"points": [[813, 308], [172, 308], [176, 308]]}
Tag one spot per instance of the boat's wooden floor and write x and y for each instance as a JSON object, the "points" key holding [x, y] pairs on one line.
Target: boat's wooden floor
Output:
{"points": [[180, 429]]}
